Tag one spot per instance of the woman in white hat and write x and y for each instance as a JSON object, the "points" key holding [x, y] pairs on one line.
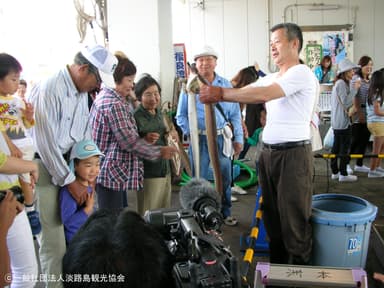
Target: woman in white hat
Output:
{"points": [[342, 95]]}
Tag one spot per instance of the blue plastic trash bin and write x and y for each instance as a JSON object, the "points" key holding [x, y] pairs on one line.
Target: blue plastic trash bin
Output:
{"points": [[341, 229]]}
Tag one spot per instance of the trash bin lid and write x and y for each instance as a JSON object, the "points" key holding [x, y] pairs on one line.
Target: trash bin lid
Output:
{"points": [[341, 210]]}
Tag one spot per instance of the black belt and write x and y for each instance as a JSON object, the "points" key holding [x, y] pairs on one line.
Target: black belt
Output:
{"points": [[286, 145]]}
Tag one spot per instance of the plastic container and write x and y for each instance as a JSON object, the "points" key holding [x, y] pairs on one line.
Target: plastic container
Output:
{"points": [[341, 229]]}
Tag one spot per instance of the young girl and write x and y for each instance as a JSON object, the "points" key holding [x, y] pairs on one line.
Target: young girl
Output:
{"points": [[85, 163], [324, 71], [375, 120], [16, 116]]}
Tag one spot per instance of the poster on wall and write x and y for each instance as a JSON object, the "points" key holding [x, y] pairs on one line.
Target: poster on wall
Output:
{"points": [[317, 44], [180, 60], [334, 45]]}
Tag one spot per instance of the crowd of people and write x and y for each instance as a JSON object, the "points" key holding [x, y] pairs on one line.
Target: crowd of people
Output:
{"points": [[356, 116], [90, 153]]}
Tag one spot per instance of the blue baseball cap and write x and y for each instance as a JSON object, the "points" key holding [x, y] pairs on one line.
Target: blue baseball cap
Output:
{"points": [[83, 150]]}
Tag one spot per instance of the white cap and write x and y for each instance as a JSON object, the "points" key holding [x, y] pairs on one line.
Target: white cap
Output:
{"points": [[205, 51], [103, 60], [346, 65]]}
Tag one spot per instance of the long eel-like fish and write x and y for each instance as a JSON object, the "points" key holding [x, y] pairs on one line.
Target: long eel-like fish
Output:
{"points": [[211, 130], [192, 88]]}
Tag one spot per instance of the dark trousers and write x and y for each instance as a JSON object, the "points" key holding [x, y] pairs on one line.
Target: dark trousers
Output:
{"points": [[360, 140], [113, 200], [286, 182], [341, 146]]}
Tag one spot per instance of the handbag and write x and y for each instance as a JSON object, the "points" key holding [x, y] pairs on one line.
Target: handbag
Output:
{"points": [[176, 160]]}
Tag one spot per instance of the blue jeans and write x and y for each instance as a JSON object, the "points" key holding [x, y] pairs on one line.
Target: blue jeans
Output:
{"points": [[225, 168]]}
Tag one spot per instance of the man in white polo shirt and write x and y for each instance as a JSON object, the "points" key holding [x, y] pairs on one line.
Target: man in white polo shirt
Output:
{"points": [[286, 160]]}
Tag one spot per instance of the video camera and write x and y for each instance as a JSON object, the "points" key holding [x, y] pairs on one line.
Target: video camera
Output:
{"points": [[201, 259], [17, 192]]}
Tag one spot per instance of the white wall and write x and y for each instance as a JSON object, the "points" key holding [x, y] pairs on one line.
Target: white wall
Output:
{"points": [[42, 34], [239, 29], [143, 31]]}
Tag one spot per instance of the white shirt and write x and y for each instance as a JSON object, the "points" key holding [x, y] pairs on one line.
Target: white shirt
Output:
{"points": [[61, 120], [288, 118]]}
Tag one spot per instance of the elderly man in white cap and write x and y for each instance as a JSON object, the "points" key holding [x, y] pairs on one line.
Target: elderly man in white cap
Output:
{"points": [[226, 113], [61, 113]]}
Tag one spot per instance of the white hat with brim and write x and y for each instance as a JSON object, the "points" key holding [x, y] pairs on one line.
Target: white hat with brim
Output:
{"points": [[346, 65], [205, 51], [104, 61]]}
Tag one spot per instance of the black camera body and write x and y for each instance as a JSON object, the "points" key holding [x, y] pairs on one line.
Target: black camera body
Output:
{"points": [[17, 192], [200, 257]]}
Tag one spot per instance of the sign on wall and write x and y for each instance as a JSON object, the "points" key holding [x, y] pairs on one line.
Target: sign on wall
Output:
{"points": [[313, 53], [180, 60]]}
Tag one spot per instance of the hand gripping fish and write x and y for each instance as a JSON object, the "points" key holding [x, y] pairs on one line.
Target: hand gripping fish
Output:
{"points": [[192, 89]]}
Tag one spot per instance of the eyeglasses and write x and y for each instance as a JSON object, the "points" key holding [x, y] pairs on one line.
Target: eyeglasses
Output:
{"points": [[96, 73], [151, 94]]}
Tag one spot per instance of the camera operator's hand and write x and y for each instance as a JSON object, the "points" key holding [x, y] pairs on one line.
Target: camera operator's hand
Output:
{"points": [[378, 276], [9, 208]]}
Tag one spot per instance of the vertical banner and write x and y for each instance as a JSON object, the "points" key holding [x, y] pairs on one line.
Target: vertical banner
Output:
{"points": [[180, 60], [314, 54]]}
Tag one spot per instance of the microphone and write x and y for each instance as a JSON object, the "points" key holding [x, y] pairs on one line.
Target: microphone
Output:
{"points": [[200, 196]]}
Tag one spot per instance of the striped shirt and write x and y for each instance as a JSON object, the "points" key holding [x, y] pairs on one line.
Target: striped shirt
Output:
{"points": [[114, 131], [362, 97], [61, 119]]}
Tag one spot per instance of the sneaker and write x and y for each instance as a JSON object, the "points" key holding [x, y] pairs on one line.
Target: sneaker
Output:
{"points": [[348, 178], [230, 221], [349, 170], [335, 176], [375, 174], [34, 221], [238, 190], [380, 169], [362, 168], [234, 199]]}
